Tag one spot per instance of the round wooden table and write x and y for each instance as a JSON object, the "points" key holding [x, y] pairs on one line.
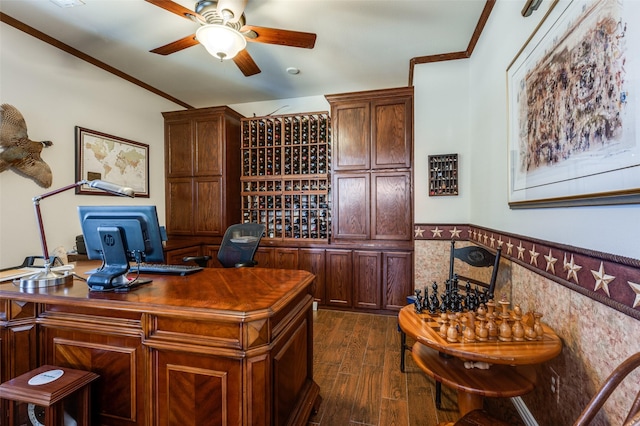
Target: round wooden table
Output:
{"points": [[511, 371]]}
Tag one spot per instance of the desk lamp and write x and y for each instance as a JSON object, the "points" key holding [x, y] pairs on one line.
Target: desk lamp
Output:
{"points": [[47, 277]]}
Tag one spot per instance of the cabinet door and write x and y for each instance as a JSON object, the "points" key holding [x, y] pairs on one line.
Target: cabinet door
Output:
{"points": [[179, 148], [391, 133], [19, 344], [264, 257], [351, 127], [285, 258], [397, 279], [366, 270], [351, 206], [312, 260], [391, 206], [208, 146], [174, 257], [339, 278], [208, 207], [179, 206], [197, 389]]}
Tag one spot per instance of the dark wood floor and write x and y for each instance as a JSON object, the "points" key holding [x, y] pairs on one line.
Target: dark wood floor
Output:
{"points": [[357, 365]]}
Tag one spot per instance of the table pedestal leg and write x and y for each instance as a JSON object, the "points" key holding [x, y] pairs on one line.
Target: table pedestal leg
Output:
{"points": [[469, 402]]}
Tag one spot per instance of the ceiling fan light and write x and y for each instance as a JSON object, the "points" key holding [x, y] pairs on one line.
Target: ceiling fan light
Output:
{"points": [[221, 41]]}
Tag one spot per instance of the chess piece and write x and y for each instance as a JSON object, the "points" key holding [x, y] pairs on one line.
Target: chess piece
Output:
{"points": [[517, 330], [452, 330], [433, 298], [504, 330], [469, 334], [417, 303], [425, 300], [442, 320], [537, 325], [492, 327], [482, 332], [527, 323]]}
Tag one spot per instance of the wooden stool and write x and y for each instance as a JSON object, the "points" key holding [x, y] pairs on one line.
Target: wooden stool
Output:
{"points": [[49, 396], [500, 381]]}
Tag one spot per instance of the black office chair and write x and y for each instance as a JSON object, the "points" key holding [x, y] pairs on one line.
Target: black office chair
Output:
{"points": [[474, 256], [239, 245]]}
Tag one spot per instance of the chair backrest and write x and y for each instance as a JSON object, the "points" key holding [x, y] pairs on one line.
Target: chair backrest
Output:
{"points": [[612, 382], [239, 244], [477, 257]]}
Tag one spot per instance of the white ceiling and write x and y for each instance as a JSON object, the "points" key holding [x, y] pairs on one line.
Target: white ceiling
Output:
{"points": [[360, 45]]}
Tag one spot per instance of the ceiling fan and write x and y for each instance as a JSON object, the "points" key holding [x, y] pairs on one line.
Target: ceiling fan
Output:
{"points": [[219, 19]]}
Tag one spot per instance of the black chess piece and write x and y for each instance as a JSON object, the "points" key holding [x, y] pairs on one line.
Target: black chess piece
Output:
{"points": [[418, 302], [433, 299]]}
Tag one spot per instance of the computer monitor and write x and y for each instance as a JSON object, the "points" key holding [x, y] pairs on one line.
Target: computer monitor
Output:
{"points": [[118, 235]]}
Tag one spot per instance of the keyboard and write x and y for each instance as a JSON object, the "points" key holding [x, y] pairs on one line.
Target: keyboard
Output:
{"points": [[161, 268]]}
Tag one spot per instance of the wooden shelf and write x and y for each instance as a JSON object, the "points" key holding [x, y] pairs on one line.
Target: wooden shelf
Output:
{"points": [[443, 175], [286, 163]]}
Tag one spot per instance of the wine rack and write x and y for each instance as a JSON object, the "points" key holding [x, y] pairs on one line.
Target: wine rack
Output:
{"points": [[443, 175], [286, 163]]}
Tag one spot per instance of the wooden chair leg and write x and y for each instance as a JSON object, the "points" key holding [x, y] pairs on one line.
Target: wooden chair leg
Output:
{"points": [[403, 348]]}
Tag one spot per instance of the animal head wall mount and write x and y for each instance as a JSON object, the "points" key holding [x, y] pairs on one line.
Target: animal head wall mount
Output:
{"points": [[18, 151]]}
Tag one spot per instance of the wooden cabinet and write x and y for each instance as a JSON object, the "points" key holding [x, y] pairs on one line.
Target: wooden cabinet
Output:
{"points": [[339, 278], [373, 206], [313, 260], [368, 279], [397, 279], [372, 130], [202, 170], [372, 166], [391, 206], [17, 338], [174, 257]]}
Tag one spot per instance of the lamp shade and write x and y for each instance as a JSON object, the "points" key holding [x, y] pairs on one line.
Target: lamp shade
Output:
{"points": [[221, 41]]}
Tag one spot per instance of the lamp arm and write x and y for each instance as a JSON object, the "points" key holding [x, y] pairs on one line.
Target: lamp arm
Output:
{"points": [[37, 198], [98, 184], [36, 205]]}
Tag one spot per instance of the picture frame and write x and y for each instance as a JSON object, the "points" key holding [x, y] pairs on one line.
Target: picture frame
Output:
{"points": [[113, 159], [572, 108]]}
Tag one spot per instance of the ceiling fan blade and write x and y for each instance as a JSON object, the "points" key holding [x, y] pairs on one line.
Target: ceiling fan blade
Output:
{"points": [[245, 62], [177, 9], [281, 37], [176, 46]]}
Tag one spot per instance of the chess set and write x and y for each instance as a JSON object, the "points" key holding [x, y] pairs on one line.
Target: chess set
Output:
{"points": [[475, 317]]}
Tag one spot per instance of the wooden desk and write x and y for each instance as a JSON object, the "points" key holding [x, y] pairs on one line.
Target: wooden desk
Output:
{"points": [[511, 373], [223, 346]]}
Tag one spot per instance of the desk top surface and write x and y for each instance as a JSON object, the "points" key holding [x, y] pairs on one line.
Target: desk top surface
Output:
{"points": [[423, 328], [234, 292]]}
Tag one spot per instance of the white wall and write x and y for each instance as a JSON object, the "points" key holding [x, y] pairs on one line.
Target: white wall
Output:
{"points": [[441, 126], [55, 92], [484, 190]]}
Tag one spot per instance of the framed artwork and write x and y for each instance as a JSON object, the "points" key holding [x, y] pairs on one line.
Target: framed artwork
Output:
{"points": [[113, 159], [572, 107]]}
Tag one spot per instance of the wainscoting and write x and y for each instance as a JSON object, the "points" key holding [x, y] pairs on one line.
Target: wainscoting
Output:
{"points": [[590, 299]]}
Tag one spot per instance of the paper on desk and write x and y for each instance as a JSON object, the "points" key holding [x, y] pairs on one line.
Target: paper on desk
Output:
{"points": [[12, 274]]}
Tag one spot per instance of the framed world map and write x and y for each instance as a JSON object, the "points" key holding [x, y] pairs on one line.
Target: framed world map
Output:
{"points": [[112, 159]]}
